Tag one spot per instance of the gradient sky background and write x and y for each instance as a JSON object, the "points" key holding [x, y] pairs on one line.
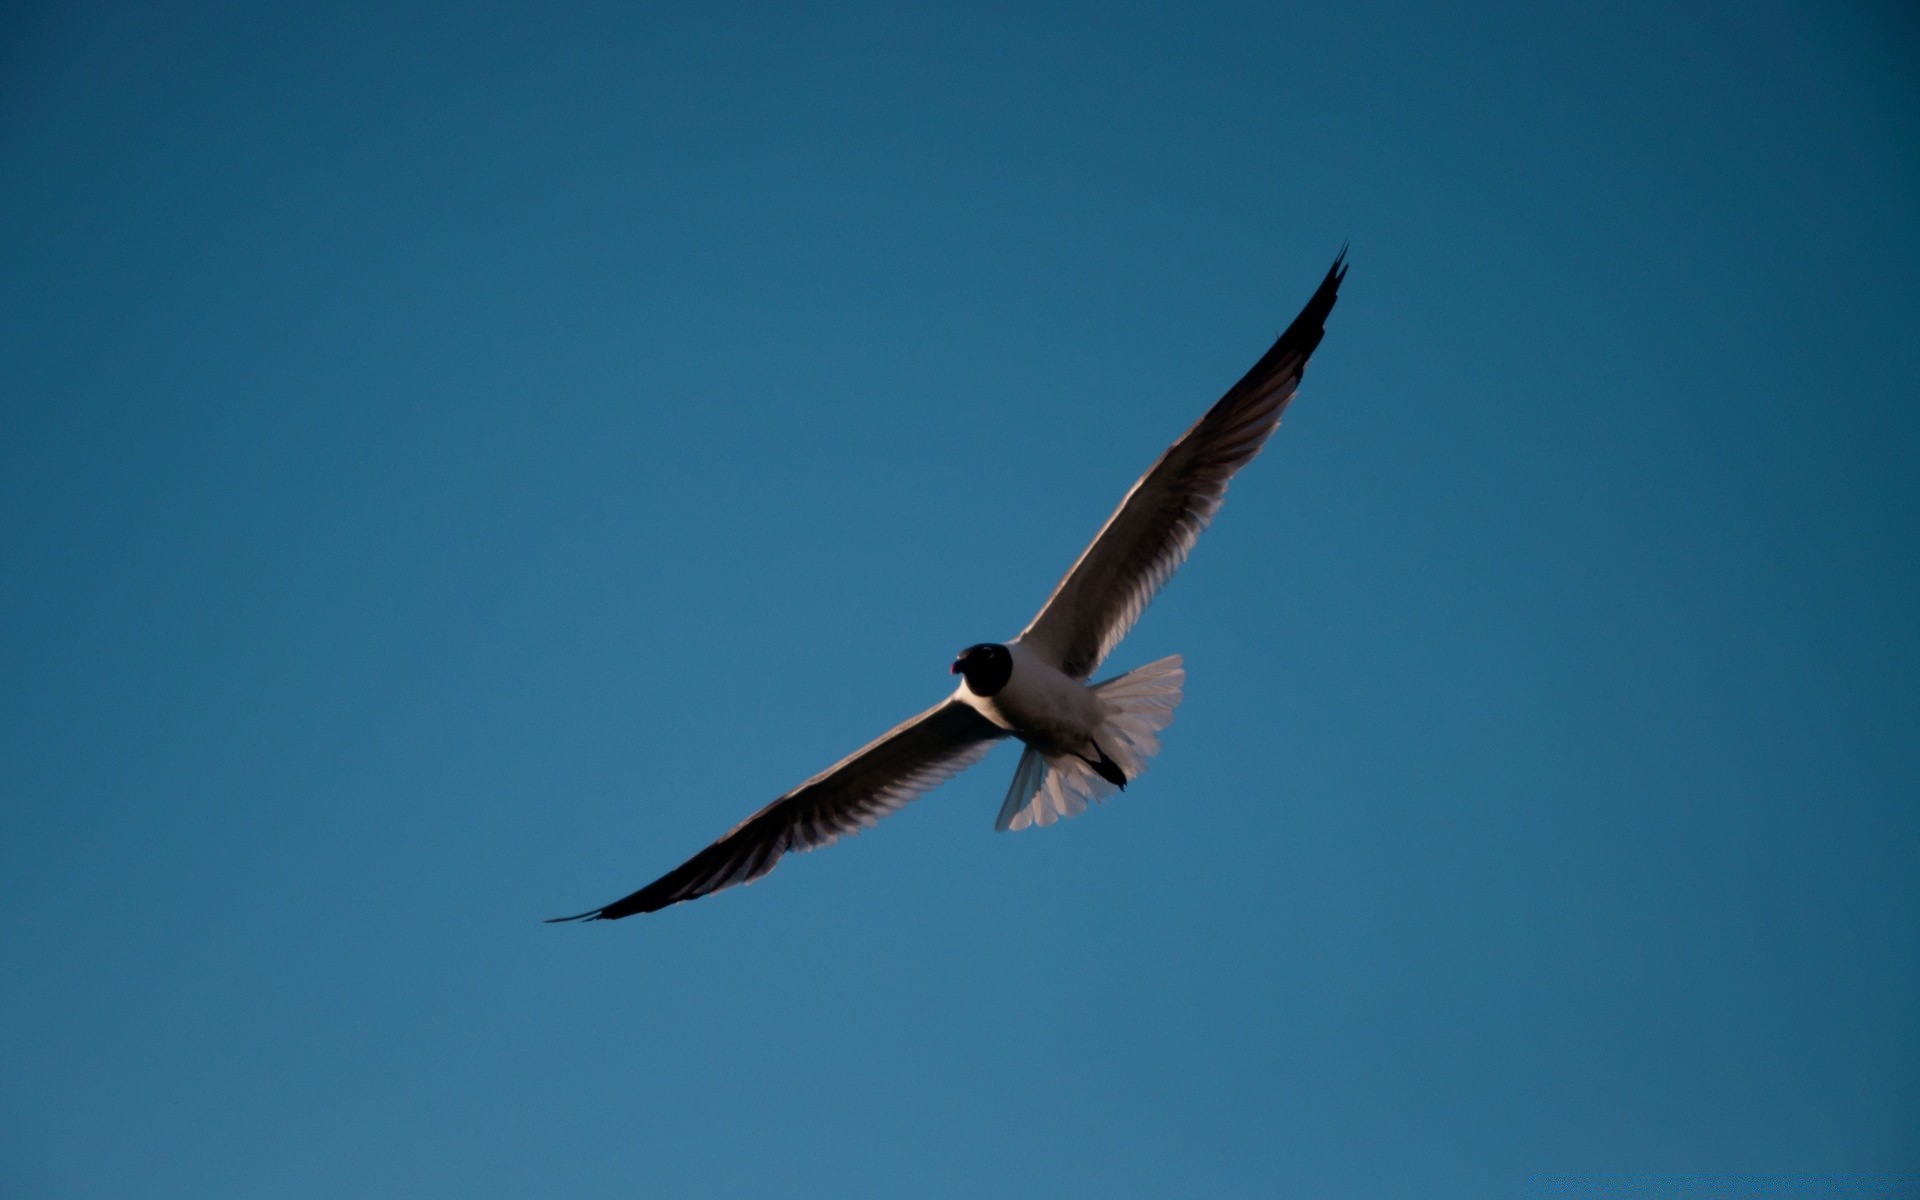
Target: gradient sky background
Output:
{"points": [[460, 459]]}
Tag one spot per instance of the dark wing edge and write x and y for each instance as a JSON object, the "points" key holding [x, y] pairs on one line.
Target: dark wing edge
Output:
{"points": [[853, 794], [1157, 522]]}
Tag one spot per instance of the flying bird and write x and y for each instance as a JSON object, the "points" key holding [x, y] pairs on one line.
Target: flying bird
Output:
{"points": [[1084, 741]]}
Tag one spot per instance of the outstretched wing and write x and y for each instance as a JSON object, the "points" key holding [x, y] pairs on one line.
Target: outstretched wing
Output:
{"points": [[1149, 535], [845, 798]]}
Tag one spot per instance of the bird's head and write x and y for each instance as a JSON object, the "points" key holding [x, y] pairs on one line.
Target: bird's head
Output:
{"points": [[986, 667]]}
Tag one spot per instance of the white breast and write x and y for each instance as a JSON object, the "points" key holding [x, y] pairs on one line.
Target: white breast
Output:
{"points": [[1039, 704]]}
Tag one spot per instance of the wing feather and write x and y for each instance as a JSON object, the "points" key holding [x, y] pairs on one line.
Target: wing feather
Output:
{"points": [[1147, 538], [853, 794]]}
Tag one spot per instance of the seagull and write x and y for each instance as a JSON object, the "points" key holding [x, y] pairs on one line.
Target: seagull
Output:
{"points": [[1084, 742]]}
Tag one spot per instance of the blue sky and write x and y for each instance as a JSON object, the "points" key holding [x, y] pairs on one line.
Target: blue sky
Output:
{"points": [[460, 459]]}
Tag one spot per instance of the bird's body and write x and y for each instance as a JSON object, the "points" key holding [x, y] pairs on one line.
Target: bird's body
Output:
{"points": [[1083, 741], [1039, 703]]}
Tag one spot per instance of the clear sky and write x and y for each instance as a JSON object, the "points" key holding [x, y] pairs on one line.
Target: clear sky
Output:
{"points": [[459, 459]]}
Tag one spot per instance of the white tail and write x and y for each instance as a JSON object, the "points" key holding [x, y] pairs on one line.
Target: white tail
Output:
{"points": [[1135, 708]]}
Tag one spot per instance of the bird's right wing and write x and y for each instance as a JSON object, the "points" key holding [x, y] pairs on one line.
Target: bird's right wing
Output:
{"points": [[845, 798], [1148, 536]]}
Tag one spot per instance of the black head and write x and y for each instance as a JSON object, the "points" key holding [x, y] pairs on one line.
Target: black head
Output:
{"points": [[986, 667]]}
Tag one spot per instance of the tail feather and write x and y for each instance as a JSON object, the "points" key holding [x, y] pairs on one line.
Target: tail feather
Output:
{"points": [[1137, 706], [1028, 779]]}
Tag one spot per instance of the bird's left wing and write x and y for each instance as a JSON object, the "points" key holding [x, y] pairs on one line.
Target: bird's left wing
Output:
{"points": [[1149, 535], [845, 798]]}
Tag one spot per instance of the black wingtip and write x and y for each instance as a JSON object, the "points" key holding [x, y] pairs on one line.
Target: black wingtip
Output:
{"points": [[1336, 274], [1324, 296], [1289, 353], [595, 914]]}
